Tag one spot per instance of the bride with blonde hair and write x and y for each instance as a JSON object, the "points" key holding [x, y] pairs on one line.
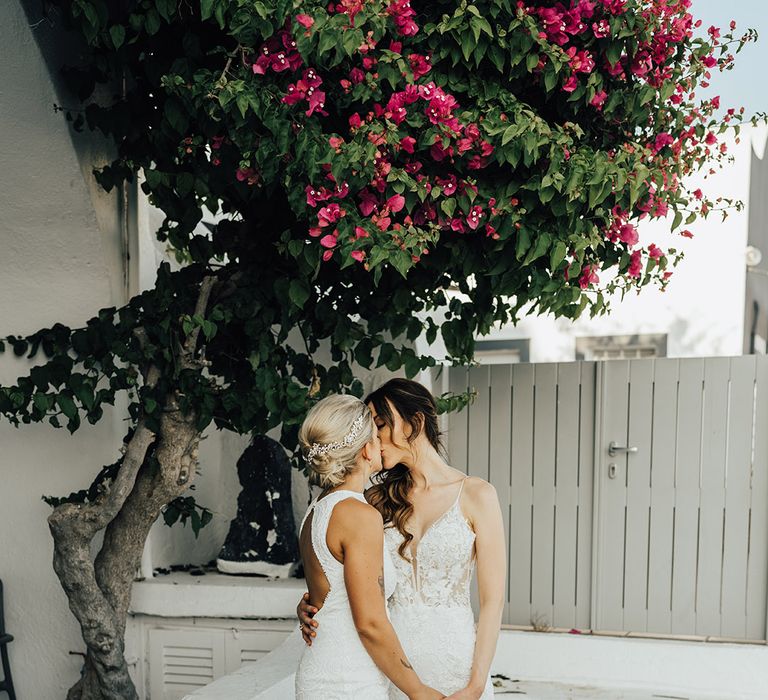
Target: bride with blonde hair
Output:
{"points": [[349, 573]]}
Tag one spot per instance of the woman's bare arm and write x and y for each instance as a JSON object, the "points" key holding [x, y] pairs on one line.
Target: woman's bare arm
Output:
{"points": [[485, 512], [362, 538]]}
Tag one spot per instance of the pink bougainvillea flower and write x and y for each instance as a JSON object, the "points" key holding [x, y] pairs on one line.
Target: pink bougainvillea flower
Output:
{"points": [[463, 145], [327, 255], [474, 216], [601, 29], [628, 234], [316, 99], [395, 203], [662, 140], [329, 241], [654, 251], [589, 276], [360, 232], [599, 99], [358, 255], [330, 214], [419, 64], [457, 225], [316, 195], [305, 21], [486, 148], [248, 175], [382, 222], [581, 61], [368, 202], [448, 184], [686, 234], [571, 84], [477, 162], [408, 143], [635, 264], [402, 14]]}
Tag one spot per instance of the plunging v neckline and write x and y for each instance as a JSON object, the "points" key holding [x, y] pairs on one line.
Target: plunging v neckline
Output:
{"points": [[415, 550]]}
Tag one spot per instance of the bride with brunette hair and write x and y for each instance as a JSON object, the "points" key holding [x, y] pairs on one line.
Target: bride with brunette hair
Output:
{"points": [[439, 526]]}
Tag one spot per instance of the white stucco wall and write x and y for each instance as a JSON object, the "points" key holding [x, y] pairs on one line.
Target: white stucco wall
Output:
{"points": [[60, 261]]}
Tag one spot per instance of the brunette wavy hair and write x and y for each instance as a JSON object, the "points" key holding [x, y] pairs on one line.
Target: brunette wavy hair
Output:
{"points": [[416, 406]]}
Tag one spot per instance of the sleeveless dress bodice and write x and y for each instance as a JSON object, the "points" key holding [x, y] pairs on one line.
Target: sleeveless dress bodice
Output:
{"points": [[337, 666], [430, 608]]}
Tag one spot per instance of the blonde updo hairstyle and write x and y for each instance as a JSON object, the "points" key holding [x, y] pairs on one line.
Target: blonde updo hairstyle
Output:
{"points": [[330, 421]]}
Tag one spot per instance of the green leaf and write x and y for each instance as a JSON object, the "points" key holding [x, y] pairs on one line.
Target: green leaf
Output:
{"points": [[557, 255], [117, 34], [468, 43], [448, 206], [540, 247], [298, 293], [613, 52], [67, 405], [206, 8], [509, 133]]}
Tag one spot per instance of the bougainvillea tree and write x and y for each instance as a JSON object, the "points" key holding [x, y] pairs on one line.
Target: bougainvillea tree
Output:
{"points": [[380, 170]]}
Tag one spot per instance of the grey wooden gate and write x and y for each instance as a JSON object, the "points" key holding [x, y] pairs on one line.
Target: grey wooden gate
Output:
{"points": [[670, 538]]}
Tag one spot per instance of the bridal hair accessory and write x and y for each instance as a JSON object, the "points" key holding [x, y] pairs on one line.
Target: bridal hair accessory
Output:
{"points": [[354, 431]]}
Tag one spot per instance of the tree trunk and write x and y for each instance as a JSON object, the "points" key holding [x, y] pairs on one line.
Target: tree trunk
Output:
{"points": [[99, 591], [108, 581]]}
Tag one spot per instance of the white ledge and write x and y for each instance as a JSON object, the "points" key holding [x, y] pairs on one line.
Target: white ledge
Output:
{"points": [[554, 665], [216, 595]]}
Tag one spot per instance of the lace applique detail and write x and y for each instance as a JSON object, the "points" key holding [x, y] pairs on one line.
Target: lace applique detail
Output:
{"points": [[430, 609], [440, 570]]}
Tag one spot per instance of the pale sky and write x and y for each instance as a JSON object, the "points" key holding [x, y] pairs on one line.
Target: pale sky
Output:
{"points": [[746, 85]]}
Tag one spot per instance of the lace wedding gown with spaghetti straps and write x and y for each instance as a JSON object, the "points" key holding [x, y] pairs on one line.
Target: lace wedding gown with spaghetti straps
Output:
{"points": [[430, 607], [337, 666]]}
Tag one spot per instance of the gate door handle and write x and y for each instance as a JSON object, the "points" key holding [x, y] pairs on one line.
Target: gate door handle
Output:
{"points": [[614, 449]]}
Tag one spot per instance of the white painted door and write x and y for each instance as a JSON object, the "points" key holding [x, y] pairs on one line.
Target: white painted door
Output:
{"points": [[681, 497]]}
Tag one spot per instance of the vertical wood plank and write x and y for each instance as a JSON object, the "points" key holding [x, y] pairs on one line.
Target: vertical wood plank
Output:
{"points": [[521, 493], [737, 478], [566, 494], [500, 450], [686, 515], [586, 469], [545, 428], [712, 478], [458, 422], [757, 568], [638, 484], [612, 497], [662, 481], [478, 437]]}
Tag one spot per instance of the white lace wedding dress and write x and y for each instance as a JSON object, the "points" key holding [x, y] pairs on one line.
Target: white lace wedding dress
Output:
{"points": [[430, 607], [337, 666]]}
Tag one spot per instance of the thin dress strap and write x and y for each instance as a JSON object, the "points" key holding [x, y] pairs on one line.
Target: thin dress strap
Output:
{"points": [[458, 496]]}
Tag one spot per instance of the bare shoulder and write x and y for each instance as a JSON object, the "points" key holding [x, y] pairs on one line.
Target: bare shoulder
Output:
{"points": [[479, 494], [357, 514]]}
